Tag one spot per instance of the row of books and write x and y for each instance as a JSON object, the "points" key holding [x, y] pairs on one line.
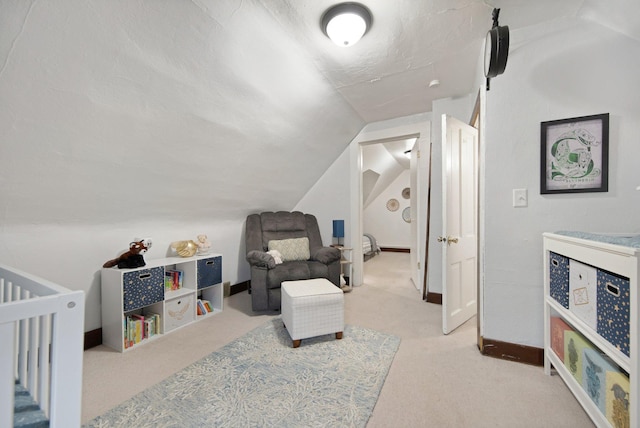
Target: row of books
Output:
{"points": [[138, 327], [172, 280], [204, 307]]}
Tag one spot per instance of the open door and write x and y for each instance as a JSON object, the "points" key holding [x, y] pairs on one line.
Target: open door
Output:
{"points": [[459, 236], [413, 208]]}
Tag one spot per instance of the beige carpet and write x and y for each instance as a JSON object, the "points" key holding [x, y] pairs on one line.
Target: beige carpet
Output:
{"points": [[434, 381]]}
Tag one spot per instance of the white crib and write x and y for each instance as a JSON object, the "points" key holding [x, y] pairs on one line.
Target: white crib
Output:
{"points": [[41, 337]]}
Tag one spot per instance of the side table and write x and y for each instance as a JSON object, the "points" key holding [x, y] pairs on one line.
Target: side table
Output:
{"points": [[345, 267]]}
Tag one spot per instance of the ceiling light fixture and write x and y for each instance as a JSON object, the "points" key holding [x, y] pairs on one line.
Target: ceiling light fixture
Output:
{"points": [[346, 23]]}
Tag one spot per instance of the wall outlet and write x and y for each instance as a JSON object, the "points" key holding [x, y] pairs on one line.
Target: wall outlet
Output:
{"points": [[227, 288]]}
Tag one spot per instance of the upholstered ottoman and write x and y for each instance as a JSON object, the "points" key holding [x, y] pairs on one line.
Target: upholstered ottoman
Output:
{"points": [[312, 307]]}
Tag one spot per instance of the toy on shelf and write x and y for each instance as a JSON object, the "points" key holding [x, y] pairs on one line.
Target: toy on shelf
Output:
{"points": [[185, 248], [204, 246], [132, 258]]}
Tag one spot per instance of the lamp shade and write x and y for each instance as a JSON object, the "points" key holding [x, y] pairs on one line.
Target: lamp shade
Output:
{"points": [[346, 23], [338, 228]]}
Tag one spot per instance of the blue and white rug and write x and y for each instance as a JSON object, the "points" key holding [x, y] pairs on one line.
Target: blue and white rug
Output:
{"points": [[259, 380]]}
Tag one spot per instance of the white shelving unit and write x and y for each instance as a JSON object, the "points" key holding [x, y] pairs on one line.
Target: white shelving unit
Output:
{"points": [[142, 291], [605, 257]]}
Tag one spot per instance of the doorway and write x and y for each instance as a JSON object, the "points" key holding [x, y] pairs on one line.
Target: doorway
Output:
{"points": [[388, 176], [418, 127]]}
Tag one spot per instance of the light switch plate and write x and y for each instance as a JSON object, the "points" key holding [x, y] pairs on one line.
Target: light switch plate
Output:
{"points": [[520, 198]]}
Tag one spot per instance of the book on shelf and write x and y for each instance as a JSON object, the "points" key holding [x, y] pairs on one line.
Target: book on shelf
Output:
{"points": [[149, 327], [156, 323], [130, 332], [207, 305], [137, 327], [202, 307], [139, 323], [173, 279]]}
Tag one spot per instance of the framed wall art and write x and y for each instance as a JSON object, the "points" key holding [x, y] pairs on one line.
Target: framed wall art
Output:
{"points": [[575, 155]]}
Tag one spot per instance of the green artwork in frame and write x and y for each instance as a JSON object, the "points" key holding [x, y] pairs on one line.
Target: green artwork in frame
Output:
{"points": [[575, 155]]}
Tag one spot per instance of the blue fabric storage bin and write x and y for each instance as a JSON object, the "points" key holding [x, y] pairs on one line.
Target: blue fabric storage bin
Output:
{"points": [[613, 309], [559, 278], [142, 288], [209, 272]]}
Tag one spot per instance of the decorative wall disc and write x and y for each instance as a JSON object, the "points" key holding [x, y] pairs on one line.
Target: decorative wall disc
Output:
{"points": [[393, 205], [406, 214], [406, 193]]}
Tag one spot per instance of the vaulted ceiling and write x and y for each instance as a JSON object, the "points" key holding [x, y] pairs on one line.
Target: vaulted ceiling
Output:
{"points": [[111, 110]]}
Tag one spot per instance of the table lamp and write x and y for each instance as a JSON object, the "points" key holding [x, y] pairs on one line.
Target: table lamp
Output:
{"points": [[338, 229]]}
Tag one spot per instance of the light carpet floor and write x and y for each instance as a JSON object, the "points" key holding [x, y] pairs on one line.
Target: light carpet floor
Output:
{"points": [[260, 380], [434, 380]]}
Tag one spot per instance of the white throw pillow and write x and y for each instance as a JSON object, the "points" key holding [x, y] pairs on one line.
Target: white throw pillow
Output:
{"points": [[291, 249]]}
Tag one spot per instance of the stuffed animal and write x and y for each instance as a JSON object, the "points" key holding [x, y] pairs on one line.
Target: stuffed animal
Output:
{"points": [[203, 244], [132, 258]]}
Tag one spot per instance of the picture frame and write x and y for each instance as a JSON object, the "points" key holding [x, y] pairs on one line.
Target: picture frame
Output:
{"points": [[575, 155]]}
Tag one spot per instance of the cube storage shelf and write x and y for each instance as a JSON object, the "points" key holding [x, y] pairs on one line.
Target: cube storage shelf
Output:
{"points": [[597, 356], [142, 291]]}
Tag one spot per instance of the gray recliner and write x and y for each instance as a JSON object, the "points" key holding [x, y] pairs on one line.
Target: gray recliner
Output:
{"points": [[266, 275]]}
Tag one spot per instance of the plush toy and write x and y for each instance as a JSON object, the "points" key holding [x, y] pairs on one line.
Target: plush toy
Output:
{"points": [[132, 258], [203, 244]]}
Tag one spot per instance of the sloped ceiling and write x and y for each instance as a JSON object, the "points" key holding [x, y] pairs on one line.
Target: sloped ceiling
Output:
{"points": [[111, 110]]}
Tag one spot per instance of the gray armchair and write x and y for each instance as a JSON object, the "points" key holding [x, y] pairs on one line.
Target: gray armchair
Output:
{"points": [[274, 229]]}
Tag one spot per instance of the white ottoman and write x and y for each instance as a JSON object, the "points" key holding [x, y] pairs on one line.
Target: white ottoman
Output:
{"points": [[312, 307]]}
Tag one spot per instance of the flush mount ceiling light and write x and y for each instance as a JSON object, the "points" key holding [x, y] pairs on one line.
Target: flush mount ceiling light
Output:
{"points": [[346, 23]]}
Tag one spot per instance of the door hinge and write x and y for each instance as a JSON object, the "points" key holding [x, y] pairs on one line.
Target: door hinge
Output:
{"points": [[418, 265], [418, 154]]}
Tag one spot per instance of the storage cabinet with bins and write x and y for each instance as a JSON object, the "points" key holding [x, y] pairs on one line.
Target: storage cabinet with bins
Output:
{"points": [[591, 322], [142, 291]]}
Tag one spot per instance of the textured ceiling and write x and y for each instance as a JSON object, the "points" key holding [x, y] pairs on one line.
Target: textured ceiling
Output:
{"points": [[203, 109]]}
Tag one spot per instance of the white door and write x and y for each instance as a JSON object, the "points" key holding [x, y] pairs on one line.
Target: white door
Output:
{"points": [[413, 204], [459, 236]]}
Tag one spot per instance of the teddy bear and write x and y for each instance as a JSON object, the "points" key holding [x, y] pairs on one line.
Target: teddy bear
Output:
{"points": [[203, 244]]}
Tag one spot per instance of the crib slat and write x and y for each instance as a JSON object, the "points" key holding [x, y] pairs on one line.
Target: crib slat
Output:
{"points": [[23, 327], [32, 362], [43, 378], [23, 341]]}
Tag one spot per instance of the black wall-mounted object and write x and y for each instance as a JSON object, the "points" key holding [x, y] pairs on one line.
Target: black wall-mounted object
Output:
{"points": [[496, 49]]}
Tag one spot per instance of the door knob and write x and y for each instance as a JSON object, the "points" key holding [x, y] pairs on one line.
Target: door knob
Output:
{"points": [[451, 240]]}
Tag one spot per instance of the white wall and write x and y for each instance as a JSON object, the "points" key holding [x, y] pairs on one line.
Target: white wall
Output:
{"points": [[578, 71], [328, 199], [388, 227], [378, 160]]}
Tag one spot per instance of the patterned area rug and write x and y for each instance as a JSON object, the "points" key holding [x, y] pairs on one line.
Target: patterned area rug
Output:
{"points": [[259, 380]]}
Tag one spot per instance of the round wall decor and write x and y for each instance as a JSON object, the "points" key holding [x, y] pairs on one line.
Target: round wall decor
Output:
{"points": [[406, 214], [393, 205], [406, 193]]}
